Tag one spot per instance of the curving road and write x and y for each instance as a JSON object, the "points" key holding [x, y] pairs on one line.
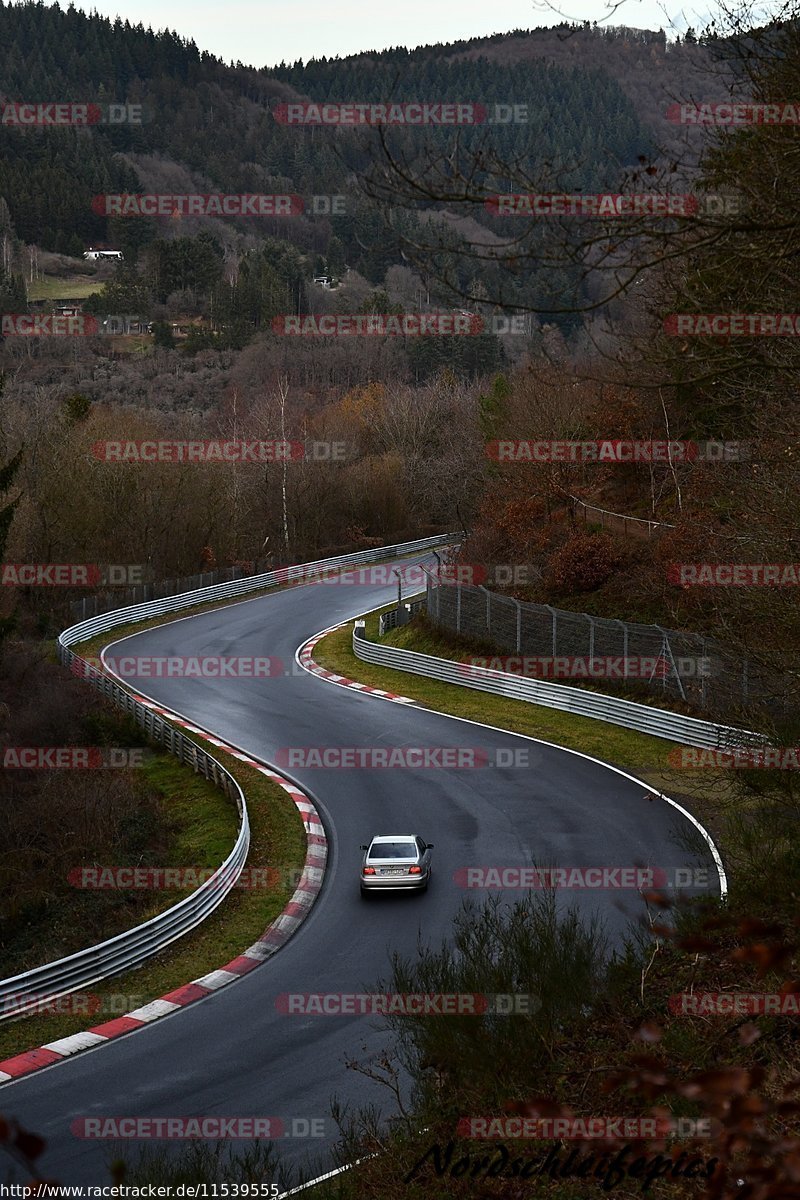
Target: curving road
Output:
{"points": [[233, 1054]]}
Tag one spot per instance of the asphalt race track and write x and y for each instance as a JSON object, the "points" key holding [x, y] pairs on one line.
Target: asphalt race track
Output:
{"points": [[234, 1054]]}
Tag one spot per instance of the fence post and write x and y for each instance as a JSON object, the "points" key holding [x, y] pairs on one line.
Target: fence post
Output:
{"points": [[745, 696], [458, 608], [519, 626], [554, 617], [624, 629], [591, 637], [667, 646]]}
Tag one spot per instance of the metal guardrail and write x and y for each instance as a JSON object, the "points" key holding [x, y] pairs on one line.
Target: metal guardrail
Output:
{"points": [[658, 722], [28, 990], [240, 587]]}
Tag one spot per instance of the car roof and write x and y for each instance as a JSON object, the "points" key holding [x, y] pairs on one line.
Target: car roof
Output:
{"points": [[395, 837]]}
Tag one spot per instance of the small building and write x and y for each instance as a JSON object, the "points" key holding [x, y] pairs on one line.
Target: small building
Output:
{"points": [[122, 324], [92, 254]]}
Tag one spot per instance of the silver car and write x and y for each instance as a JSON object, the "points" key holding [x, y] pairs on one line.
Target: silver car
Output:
{"points": [[395, 862]]}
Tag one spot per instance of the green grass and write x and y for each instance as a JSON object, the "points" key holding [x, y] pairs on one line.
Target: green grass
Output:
{"points": [[50, 287], [277, 840], [708, 790], [197, 825], [207, 820], [207, 824]]}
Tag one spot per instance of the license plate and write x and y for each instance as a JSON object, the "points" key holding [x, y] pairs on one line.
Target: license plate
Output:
{"points": [[394, 871]]}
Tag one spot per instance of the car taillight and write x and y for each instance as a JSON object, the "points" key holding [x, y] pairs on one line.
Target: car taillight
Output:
{"points": [[368, 871], [415, 870]]}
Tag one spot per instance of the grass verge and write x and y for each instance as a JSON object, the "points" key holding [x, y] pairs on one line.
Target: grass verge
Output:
{"points": [[707, 792], [51, 287], [277, 840], [174, 818]]}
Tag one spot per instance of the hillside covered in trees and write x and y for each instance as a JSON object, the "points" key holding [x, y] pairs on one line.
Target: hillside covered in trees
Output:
{"points": [[211, 127]]}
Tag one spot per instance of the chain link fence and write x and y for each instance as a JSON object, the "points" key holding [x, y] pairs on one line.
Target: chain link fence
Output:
{"points": [[665, 662]]}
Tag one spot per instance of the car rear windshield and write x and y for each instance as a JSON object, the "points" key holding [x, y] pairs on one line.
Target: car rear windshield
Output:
{"points": [[393, 850]]}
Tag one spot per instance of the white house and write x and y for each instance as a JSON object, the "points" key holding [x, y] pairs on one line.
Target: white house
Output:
{"points": [[92, 255]]}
